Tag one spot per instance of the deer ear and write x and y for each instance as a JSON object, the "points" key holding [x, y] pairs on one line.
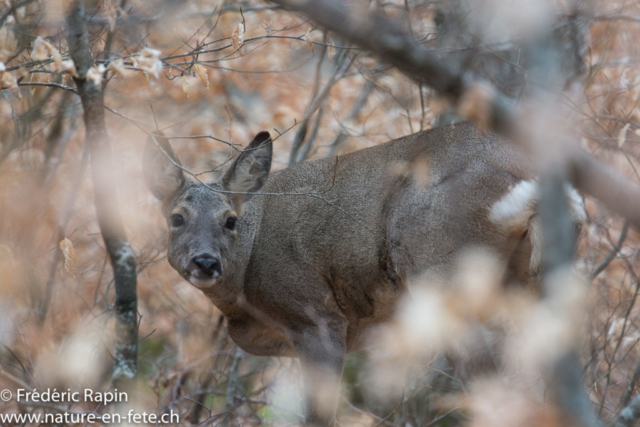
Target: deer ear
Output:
{"points": [[250, 169], [160, 166]]}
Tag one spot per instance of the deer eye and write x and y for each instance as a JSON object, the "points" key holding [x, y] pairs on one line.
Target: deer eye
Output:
{"points": [[177, 220], [231, 223]]}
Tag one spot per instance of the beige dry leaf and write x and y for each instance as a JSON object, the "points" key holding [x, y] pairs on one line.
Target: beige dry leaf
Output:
{"points": [[331, 51], [34, 77], [185, 86], [70, 66], [7, 80], [119, 67], [307, 39], [237, 36], [149, 61], [69, 256], [21, 12], [40, 78], [57, 58], [622, 136], [39, 51], [8, 43], [95, 74], [42, 49], [202, 73]]}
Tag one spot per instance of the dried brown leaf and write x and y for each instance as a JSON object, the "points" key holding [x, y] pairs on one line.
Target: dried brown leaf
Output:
{"points": [[95, 74], [55, 55], [70, 66], [69, 256], [149, 61], [202, 73], [331, 51], [622, 136], [8, 43], [40, 51], [307, 39], [237, 36], [119, 67], [185, 86], [8, 81]]}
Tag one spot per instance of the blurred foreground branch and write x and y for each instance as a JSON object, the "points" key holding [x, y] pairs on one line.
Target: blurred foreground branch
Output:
{"points": [[387, 40], [630, 414], [566, 383], [111, 226]]}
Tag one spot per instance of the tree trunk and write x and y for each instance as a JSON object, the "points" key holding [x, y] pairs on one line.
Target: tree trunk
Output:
{"points": [[109, 220]]}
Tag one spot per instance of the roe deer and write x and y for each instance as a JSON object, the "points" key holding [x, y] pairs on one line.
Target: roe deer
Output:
{"points": [[325, 252]]}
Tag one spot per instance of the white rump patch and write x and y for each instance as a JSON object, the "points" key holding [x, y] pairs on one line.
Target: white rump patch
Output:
{"points": [[516, 207], [516, 212], [576, 205]]}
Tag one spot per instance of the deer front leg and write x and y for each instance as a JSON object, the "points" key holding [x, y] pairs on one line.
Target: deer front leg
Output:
{"points": [[322, 358]]}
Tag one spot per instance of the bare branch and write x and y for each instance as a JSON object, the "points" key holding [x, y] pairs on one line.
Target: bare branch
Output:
{"points": [[612, 254]]}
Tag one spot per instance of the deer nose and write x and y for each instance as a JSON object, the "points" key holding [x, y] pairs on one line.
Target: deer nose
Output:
{"points": [[208, 265]]}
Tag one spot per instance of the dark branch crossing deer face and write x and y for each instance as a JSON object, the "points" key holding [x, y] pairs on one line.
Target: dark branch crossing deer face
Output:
{"points": [[203, 219]]}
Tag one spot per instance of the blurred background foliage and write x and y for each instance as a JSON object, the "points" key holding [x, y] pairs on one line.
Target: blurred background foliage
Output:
{"points": [[224, 71]]}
